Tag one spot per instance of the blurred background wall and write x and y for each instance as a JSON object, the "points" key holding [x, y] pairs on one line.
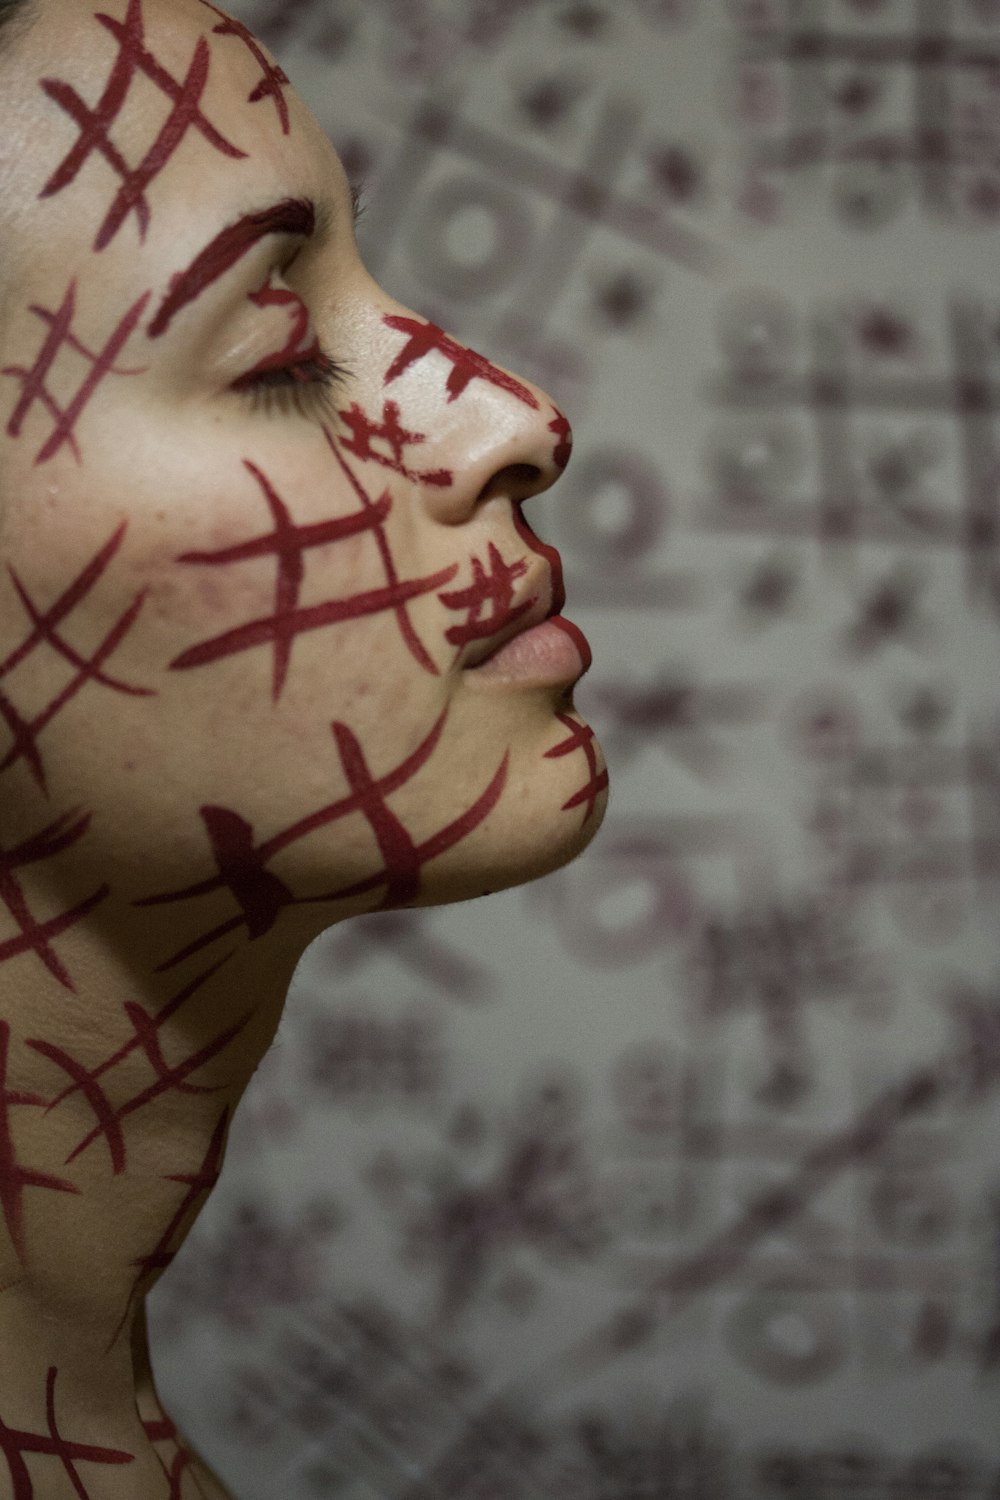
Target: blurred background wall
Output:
{"points": [[675, 1176]]}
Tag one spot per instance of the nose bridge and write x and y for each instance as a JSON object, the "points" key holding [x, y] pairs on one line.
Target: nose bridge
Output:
{"points": [[488, 430]]}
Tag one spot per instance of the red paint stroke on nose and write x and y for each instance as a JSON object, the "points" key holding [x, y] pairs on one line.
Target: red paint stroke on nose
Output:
{"points": [[467, 366]]}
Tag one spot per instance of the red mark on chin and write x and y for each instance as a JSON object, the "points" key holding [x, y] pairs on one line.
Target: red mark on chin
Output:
{"points": [[467, 366], [44, 632], [14, 1178], [294, 216], [288, 544], [365, 434], [581, 737], [493, 590], [95, 124], [35, 936], [14, 1443], [33, 386], [261, 896], [543, 549], [273, 80], [564, 440]]}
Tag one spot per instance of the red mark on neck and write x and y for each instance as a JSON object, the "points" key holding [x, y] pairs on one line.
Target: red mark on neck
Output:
{"points": [[34, 936], [134, 58], [33, 381], [467, 366], [294, 216], [14, 1177], [15, 1443]]}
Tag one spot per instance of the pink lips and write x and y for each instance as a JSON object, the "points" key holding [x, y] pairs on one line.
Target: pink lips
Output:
{"points": [[550, 653]]}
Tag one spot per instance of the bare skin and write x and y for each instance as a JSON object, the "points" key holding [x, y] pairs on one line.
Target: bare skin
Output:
{"points": [[277, 647]]}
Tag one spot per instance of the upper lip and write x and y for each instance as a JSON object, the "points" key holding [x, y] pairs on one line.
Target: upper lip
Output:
{"points": [[537, 593]]}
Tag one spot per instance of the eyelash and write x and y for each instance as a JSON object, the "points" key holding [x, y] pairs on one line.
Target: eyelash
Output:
{"points": [[308, 385]]}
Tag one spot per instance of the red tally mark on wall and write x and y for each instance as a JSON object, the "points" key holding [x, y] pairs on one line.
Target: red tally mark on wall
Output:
{"points": [[384, 443], [34, 388], [134, 59], [15, 1443], [44, 632], [273, 80], [491, 590], [35, 936], [14, 1177], [288, 543], [466, 366], [261, 896], [581, 737]]}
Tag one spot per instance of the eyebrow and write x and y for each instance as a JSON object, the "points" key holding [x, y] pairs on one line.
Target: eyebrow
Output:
{"points": [[296, 216]]}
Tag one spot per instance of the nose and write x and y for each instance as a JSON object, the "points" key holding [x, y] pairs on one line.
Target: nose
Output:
{"points": [[489, 434]]}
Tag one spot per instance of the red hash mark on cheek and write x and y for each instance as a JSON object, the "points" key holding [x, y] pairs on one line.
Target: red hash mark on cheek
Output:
{"points": [[466, 366], [14, 1178], [288, 544], [34, 936], [134, 59], [33, 381], [581, 737], [261, 896], [564, 440], [365, 434], [14, 1444], [491, 591], [44, 632], [273, 79]]}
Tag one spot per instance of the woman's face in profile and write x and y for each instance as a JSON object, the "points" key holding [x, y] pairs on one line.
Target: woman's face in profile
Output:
{"points": [[269, 605]]}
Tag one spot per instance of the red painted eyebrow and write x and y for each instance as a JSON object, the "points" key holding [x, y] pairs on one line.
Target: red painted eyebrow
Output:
{"points": [[290, 216]]}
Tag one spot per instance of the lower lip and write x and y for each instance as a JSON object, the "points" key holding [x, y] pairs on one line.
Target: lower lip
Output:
{"points": [[554, 652]]}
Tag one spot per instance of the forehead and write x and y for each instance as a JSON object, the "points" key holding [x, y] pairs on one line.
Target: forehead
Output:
{"points": [[124, 124]]}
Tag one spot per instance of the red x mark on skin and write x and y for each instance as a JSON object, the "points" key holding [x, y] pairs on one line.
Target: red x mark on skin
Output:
{"points": [[581, 737], [134, 60], [33, 381], [288, 543], [466, 366], [15, 1443], [365, 434], [273, 80], [87, 669], [14, 1177], [492, 591], [36, 936]]}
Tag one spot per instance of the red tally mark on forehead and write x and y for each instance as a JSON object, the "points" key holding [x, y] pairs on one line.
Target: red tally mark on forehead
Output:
{"points": [[45, 633], [33, 380], [261, 895], [15, 1443], [288, 543], [134, 59], [273, 80], [392, 439], [581, 737], [467, 366], [36, 936], [491, 590], [14, 1177]]}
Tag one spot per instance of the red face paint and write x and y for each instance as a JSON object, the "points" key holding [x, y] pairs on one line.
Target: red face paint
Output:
{"points": [[14, 1177], [581, 737], [491, 591], [34, 936], [95, 124], [33, 381], [14, 1444], [87, 669], [467, 366], [295, 347], [261, 896], [273, 80], [288, 543], [543, 549], [564, 440], [293, 216], [365, 434]]}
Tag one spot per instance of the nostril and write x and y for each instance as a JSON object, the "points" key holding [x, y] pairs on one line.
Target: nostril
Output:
{"points": [[517, 480]]}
